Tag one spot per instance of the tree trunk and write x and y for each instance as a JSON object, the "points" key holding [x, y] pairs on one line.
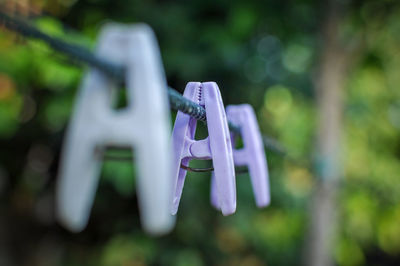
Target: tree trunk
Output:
{"points": [[329, 84]]}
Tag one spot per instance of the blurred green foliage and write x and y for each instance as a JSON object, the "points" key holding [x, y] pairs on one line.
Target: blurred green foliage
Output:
{"points": [[260, 52]]}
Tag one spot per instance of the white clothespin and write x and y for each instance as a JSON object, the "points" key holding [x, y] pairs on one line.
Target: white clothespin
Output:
{"points": [[143, 125]]}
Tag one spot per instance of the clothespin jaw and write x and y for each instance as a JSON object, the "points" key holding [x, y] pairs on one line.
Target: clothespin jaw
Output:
{"points": [[143, 125], [251, 155], [217, 146]]}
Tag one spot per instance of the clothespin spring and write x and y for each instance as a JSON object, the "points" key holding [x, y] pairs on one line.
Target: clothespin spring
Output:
{"points": [[101, 152]]}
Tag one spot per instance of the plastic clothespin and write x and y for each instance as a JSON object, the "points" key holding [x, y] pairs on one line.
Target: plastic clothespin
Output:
{"points": [[251, 155], [217, 146], [143, 125]]}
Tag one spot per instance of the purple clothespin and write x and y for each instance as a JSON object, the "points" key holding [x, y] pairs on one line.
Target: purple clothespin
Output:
{"points": [[217, 146], [252, 154]]}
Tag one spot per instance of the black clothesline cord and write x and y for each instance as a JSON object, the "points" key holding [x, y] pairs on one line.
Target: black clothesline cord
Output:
{"points": [[82, 54]]}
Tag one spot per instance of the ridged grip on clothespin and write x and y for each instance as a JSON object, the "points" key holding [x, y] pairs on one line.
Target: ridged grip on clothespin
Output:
{"points": [[143, 125]]}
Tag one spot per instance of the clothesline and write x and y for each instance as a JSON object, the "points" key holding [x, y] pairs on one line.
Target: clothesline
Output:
{"points": [[82, 54]]}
